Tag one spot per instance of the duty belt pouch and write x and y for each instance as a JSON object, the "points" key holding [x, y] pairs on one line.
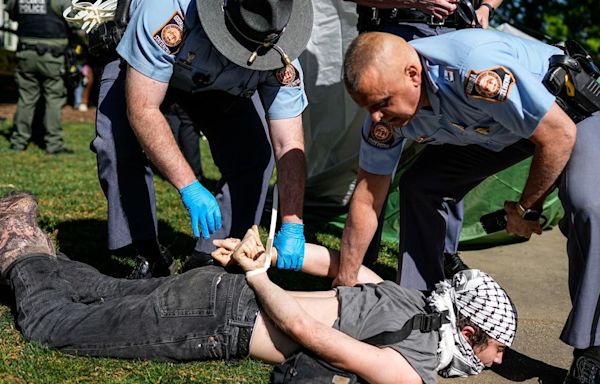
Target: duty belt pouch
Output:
{"points": [[304, 368], [574, 79], [103, 40]]}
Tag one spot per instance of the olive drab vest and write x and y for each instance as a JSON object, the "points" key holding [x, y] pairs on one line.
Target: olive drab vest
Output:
{"points": [[37, 18]]}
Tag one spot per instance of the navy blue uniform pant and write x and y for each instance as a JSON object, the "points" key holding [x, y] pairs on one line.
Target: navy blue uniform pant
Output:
{"points": [[239, 145], [445, 172]]}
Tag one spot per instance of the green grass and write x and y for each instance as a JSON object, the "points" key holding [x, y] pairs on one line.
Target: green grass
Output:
{"points": [[73, 210]]}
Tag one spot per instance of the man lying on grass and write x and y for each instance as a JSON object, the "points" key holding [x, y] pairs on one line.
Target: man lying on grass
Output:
{"points": [[208, 313]]}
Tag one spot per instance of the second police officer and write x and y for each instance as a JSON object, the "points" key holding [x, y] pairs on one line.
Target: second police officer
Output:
{"points": [[413, 20]]}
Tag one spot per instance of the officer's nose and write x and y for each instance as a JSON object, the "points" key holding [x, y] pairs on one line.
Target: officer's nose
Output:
{"points": [[376, 116]]}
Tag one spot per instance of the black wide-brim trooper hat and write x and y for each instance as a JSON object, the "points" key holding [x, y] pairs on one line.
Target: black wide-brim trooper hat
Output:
{"points": [[257, 34]]}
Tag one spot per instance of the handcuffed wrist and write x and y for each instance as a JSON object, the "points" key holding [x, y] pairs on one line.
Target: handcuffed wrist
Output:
{"points": [[257, 271]]}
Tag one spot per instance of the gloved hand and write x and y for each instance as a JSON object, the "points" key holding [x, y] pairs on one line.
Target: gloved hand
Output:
{"points": [[203, 208], [289, 243]]}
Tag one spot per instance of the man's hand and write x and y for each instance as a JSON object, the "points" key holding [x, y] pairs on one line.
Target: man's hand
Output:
{"points": [[345, 280], [224, 250], [516, 225], [250, 252], [289, 243], [203, 209], [441, 9], [483, 16]]}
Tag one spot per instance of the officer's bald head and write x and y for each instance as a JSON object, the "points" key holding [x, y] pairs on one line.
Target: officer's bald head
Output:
{"points": [[378, 52], [382, 73]]}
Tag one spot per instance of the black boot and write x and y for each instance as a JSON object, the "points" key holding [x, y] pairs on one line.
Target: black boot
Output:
{"points": [[453, 264], [197, 260], [154, 260], [585, 368]]}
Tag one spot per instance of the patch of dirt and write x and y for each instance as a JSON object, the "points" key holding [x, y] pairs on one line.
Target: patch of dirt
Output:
{"points": [[69, 115]]}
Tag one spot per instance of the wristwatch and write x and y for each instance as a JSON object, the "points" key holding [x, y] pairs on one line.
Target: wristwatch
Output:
{"points": [[491, 8], [528, 214]]}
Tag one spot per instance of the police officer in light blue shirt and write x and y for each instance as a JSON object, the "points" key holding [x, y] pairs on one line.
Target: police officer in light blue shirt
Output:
{"points": [[477, 98], [414, 20], [217, 57]]}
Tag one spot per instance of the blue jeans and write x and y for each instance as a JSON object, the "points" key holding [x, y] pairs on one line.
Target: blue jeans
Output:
{"points": [[203, 314]]}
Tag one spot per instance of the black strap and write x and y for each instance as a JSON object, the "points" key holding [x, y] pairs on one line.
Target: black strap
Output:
{"points": [[425, 322], [122, 12]]}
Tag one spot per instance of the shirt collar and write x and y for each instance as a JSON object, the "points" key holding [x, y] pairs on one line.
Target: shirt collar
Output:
{"points": [[430, 73]]}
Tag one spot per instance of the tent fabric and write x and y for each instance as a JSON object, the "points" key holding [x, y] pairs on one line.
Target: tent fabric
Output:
{"points": [[332, 125], [332, 119]]}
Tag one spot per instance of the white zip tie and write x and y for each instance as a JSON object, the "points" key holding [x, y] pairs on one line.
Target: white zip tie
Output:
{"points": [[89, 15], [272, 227], [269, 246]]}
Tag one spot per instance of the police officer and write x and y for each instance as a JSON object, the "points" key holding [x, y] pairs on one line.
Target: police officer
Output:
{"points": [[43, 38], [131, 220], [480, 94], [240, 49], [413, 20]]}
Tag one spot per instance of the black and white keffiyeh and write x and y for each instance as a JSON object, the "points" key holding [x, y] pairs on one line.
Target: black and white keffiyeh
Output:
{"points": [[476, 295]]}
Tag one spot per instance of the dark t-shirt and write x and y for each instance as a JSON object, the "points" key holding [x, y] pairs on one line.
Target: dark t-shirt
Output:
{"points": [[369, 309]]}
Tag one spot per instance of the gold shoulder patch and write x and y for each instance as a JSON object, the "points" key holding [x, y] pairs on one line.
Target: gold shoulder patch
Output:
{"points": [[382, 135], [492, 84], [170, 36]]}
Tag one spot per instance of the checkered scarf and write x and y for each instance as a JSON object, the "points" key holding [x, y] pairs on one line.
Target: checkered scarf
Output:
{"points": [[478, 297], [475, 295]]}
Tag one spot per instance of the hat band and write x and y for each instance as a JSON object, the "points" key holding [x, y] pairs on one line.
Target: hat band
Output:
{"points": [[269, 42]]}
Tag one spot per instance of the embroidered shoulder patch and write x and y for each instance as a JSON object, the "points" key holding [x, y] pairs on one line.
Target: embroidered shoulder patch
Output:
{"points": [[288, 76], [382, 135], [490, 85], [170, 35]]}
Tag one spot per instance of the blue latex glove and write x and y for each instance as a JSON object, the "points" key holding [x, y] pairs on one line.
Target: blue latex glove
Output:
{"points": [[289, 243], [203, 209]]}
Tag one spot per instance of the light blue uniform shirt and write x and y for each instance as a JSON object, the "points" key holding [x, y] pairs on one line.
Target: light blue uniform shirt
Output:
{"points": [[162, 32], [484, 88]]}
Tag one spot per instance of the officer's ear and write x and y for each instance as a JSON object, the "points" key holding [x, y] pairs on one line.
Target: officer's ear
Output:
{"points": [[413, 74]]}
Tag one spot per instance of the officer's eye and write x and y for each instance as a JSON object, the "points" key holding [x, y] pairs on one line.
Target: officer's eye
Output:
{"points": [[382, 104]]}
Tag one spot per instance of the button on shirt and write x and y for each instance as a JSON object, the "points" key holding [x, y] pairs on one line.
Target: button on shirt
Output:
{"points": [[465, 109], [161, 32]]}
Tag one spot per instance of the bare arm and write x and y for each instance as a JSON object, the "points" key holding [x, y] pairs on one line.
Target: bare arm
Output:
{"points": [[554, 139], [287, 138], [376, 365], [365, 206], [144, 97], [318, 261]]}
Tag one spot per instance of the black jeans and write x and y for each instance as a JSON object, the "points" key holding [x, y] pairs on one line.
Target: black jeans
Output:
{"points": [[203, 314]]}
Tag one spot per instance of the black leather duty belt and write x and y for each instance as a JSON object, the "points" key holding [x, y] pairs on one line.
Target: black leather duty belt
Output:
{"points": [[396, 15]]}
